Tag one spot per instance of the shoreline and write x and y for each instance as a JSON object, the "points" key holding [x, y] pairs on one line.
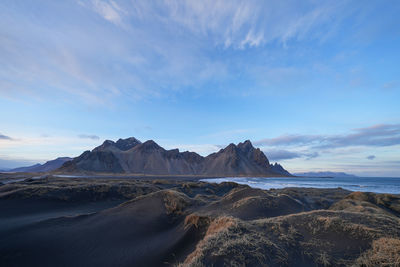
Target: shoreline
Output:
{"points": [[381, 185], [364, 184]]}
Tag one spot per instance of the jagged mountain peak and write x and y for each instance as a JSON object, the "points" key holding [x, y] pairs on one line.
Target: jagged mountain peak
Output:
{"points": [[128, 143], [106, 144], [121, 144], [246, 145], [150, 145], [230, 147]]}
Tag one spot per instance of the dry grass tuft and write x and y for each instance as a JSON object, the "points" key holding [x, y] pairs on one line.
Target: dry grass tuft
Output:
{"points": [[196, 220], [220, 224], [384, 252], [215, 226], [175, 202], [160, 181], [324, 259], [359, 196], [383, 203], [249, 200]]}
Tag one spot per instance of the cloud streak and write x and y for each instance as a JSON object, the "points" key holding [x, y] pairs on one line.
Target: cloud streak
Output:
{"points": [[380, 135], [281, 154], [153, 48], [286, 140], [276, 155], [89, 136], [5, 137], [241, 24], [109, 10]]}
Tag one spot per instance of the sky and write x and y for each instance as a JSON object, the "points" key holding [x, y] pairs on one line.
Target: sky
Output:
{"points": [[314, 84]]}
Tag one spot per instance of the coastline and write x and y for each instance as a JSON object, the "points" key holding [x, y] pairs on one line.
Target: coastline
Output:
{"points": [[380, 185]]}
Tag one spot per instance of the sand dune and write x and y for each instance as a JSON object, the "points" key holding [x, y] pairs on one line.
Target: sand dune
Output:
{"points": [[126, 222]]}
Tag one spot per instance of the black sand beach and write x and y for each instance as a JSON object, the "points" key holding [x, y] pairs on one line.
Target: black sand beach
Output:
{"points": [[132, 222]]}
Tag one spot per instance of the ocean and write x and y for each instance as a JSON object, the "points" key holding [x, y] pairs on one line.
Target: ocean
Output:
{"points": [[365, 184]]}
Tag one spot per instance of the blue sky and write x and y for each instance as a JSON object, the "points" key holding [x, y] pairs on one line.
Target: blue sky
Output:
{"points": [[315, 84]]}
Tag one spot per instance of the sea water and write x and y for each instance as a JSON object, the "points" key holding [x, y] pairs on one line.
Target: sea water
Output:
{"points": [[365, 184]]}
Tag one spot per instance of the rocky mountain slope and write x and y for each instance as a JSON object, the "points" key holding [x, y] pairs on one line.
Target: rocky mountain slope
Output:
{"points": [[148, 158]]}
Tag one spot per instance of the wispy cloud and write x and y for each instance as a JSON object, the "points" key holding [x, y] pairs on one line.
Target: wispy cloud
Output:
{"points": [[339, 152], [287, 140], [281, 154], [5, 137], [89, 136], [377, 135], [109, 10], [391, 85], [100, 51], [241, 24]]}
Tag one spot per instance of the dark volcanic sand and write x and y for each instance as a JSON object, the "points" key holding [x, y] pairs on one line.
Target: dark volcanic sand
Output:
{"points": [[126, 222]]}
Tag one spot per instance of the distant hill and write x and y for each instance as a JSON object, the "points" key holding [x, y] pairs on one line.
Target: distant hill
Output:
{"points": [[324, 174], [50, 165], [132, 156]]}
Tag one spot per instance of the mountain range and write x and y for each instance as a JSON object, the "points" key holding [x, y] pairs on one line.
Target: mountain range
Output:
{"points": [[132, 156], [325, 174], [46, 167]]}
